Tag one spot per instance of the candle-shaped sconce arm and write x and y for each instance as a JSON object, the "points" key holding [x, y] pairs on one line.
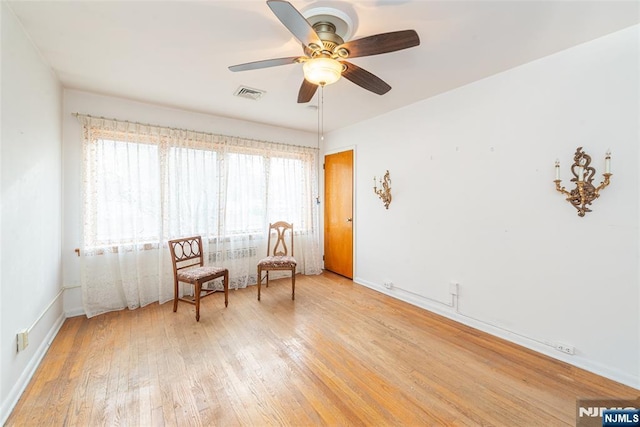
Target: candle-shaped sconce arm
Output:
{"points": [[560, 188], [607, 173]]}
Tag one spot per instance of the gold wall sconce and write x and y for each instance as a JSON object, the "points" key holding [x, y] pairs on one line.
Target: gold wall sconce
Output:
{"points": [[385, 192], [584, 193]]}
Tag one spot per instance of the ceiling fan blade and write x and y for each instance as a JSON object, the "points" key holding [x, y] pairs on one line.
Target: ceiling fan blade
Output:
{"points": [[381, 43], [364, 79], [295, 22], [307, 90], [264, 64]]}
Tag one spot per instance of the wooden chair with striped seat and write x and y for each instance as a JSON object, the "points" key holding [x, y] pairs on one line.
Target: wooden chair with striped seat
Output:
{"points": [[185, 254], [279, 257]]}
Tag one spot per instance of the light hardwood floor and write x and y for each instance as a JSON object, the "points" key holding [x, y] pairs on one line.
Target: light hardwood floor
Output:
{"points": [[340, 354]]}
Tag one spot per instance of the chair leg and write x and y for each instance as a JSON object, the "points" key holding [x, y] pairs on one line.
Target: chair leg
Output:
{"points": [[175, 295], [225, 283], [293, 283], [259, 281], [198, 291]]}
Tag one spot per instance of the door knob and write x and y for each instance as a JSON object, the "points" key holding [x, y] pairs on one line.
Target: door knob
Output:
{"points": [[349, 219]]}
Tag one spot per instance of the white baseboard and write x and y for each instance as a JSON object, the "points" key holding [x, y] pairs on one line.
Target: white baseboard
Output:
{"points": [[514, 337]]}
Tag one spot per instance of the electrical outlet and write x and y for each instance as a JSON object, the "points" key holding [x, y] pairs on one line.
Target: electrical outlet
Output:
{"points": [[22, 339], [388, 285], [567, 349]]}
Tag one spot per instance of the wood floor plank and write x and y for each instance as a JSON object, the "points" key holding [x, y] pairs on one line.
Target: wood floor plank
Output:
{"points": [[340, 354]]}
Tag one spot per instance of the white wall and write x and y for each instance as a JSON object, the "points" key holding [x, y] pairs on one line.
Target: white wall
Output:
{"points": [[474, 203], [104, 106], [30, 226]]}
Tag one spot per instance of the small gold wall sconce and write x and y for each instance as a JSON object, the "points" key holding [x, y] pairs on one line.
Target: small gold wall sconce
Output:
{"points": [[585, 193], [385, 192]]}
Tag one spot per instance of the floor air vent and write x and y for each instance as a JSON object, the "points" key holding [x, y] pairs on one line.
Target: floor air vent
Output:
{"points": [[249, 93]]}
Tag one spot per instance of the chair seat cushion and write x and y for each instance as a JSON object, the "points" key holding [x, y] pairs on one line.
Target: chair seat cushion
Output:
{"points": [[199, 273], [278, 262]]}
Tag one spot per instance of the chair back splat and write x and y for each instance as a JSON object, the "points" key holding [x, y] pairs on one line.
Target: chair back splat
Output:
{"points": [[278, 255], [187, 257], [280, 246]]}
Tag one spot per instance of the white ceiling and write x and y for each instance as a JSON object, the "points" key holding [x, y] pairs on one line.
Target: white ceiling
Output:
{"points": [[176, 53]]}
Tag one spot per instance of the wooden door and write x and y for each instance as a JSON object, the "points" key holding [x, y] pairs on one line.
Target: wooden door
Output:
{"points": [[338, 213]]}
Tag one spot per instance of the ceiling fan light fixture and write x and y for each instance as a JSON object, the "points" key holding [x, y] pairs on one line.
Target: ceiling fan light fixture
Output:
{"points": [[322, 71]]}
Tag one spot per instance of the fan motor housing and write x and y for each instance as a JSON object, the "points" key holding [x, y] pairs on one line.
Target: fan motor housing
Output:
{"points": [[327, 33]]}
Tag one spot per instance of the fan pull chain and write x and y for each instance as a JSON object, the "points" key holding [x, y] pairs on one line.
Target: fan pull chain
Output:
{"points": [[321, 110], [320, 136]]}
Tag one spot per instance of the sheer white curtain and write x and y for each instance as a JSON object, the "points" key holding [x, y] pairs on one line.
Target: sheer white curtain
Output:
{"points": [[144, 185]]}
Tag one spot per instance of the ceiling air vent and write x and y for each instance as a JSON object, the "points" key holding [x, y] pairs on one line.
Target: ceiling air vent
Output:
{"points": [[249, 93]]}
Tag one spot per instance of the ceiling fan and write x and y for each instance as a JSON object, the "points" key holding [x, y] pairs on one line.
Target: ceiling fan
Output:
{"points": [[325, 52]]}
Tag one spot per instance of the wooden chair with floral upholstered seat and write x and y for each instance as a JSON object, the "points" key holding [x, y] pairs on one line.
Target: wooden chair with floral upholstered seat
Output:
{"points": [[188, 267], [279, 256]]}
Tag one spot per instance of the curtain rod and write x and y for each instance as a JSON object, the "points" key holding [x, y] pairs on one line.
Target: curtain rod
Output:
{"points": [[76, 115]]}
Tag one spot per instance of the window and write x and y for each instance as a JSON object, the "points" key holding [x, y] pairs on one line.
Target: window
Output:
{"points": [[192, 191], [144, 185], [246, 193], [124, 197]]}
